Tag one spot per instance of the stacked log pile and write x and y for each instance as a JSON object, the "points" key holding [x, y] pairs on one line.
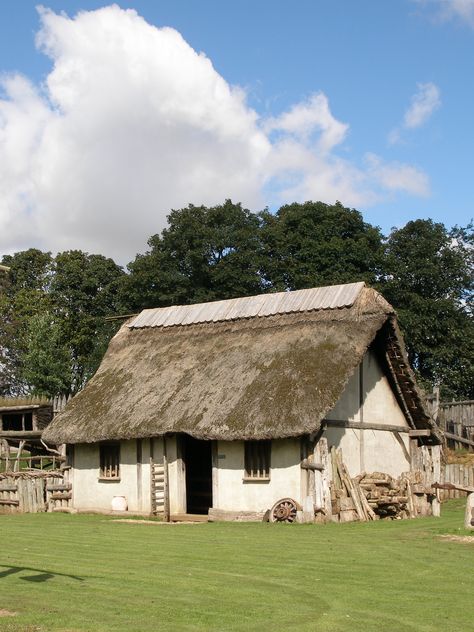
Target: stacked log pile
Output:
{"points": [[377, 495], [387, 496]]}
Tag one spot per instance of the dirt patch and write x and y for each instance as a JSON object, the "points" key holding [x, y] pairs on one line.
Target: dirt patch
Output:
{"points": [[7, 613], [465, 539]]}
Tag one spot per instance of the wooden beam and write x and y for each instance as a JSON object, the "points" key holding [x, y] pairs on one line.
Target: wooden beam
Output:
{"points": [[402, 445], [357, 425], [420, 433], [120, 317], [451, 486], [309, 465], [25, 407], [21, 434], [8, 488], [455, 437]]}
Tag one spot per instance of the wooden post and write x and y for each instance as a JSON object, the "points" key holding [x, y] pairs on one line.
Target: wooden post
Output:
{"points": [[436, 468], [435, 405], [16, 467], [139, 472], [152, 484], [166, 507], [469, 516], [325, 477]]}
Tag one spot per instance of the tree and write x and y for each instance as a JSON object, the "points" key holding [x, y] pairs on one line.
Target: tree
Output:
{"points": [[46, 363], [428, 278], [83, 292], [314, 244], [204, 254], [5, 335], [24, 296], [72, 292]]}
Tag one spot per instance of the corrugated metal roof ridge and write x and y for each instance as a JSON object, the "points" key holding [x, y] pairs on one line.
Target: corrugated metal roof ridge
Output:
{"points": [[329, 297]]}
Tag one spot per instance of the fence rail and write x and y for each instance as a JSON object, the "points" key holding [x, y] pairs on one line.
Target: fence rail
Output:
{"points": [[41, 462]]}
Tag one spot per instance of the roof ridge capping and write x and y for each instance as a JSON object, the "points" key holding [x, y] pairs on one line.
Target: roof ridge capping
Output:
{"points": [[312, 299]]}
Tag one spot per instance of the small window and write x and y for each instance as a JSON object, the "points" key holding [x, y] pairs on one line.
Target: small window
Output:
{"points": [[257, 460], [110, 460], [13, 422]]}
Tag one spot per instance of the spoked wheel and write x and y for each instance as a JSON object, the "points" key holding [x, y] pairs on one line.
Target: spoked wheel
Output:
{"points": [[284, 510]]}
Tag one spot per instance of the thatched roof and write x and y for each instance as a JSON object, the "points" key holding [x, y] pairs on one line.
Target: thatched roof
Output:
{"points": [[271, 375], [23, 403]]}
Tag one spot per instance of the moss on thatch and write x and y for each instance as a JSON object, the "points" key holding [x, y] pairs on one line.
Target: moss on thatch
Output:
{"points": [[258, 378], [17, 402]]}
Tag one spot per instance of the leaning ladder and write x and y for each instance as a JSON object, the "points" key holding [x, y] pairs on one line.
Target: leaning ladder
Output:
{"points": [[159, 489]]}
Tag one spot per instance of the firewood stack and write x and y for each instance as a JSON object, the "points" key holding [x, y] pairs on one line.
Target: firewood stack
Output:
{"points": [[377, 495], [388, 497]]}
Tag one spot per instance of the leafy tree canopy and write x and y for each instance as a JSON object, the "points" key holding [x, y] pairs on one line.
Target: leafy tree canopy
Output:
{"points": [[204, 254], [313, 244], [67, 296], [429, 279]]}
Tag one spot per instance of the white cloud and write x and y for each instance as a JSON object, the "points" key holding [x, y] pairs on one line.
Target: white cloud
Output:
{"points": [[398, 176], [424, 102], [463, 9], [132, 122], [313, 115], [452, 9]]}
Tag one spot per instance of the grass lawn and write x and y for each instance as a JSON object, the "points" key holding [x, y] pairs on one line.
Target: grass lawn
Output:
{"points": [[87, 572]]}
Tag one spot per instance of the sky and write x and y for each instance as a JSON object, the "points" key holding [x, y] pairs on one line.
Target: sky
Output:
{"points": [[112, 115]]}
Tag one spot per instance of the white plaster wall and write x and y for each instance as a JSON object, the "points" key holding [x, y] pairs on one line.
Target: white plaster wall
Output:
{"points": [[348, 440], [232, 493], [90, 493], [347, 406], [383, 453], [370, 450], [380, 403]]}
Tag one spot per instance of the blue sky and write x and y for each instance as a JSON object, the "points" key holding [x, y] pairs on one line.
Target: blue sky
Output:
{"points": [[386, 88]]}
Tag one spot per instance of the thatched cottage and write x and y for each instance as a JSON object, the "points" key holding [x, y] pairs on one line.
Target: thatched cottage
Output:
{"points": [[216, 407]]}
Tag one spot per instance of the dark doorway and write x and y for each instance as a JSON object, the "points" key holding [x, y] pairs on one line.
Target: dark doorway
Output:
{"points": [[198, 462]]}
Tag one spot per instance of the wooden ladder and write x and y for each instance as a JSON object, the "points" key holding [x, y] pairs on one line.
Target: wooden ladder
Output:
{"points": [[159, 489]]}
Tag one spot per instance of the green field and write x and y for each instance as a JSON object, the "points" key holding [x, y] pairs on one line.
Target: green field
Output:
{"points": [[88, 572]]}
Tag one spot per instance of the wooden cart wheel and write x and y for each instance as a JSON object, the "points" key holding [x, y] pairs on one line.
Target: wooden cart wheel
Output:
{"points": [[284, 510]]}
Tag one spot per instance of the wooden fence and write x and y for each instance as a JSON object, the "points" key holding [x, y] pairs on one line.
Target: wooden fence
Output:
{"points": [[457, 474], [35, 491], [59, 403], [17, 463], [455, 419]]}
